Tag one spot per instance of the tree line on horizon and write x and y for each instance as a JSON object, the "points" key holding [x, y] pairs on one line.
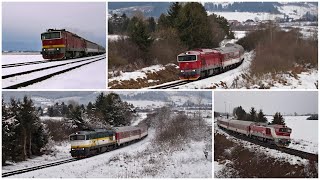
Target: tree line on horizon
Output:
{"points": [[255, 116]]}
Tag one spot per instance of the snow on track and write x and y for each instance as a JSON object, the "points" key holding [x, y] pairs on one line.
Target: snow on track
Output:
{"points": [[12, 70], [27, 77], [10, 59], [91, 76]]}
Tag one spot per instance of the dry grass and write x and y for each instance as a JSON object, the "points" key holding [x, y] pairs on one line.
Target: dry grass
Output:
{"points": [[247, 164], [280, 51]]}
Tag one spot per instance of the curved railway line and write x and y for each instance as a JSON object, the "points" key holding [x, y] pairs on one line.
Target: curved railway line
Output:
{"points": [[20, 171], [53, 70], [175, 84], [295, 152]]}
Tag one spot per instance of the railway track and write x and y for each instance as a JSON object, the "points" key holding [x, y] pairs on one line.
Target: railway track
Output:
{"points": [[20, 171], [32, 63], [295, 152], [26, 78], [171, 85]]}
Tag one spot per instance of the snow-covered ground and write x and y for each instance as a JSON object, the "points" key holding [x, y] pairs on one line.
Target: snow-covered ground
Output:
{"points": [[141, 73], [45, 118], [113, 37], [304, 134], [243, 16], [292, 10], [16, 58], [60, 152], [92, 76]]}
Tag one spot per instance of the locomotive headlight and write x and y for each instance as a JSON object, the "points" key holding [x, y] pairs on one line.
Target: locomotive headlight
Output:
{"points": [[194, 70], [57, 49], [182, 70]]}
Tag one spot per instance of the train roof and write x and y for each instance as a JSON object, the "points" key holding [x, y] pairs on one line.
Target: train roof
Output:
{"points": [[229, 48], [246, 123], [59, 30], [198, 51], [125, 128], [91, 131]]}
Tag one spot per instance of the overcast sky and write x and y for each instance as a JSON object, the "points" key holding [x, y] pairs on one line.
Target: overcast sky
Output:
{"points": [[286, 102], [22, 23]]}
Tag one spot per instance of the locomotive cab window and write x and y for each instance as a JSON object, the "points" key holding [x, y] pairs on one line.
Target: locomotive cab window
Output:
{"points": [[51, 35], [187, 58], [77, 137], [288, 130]]}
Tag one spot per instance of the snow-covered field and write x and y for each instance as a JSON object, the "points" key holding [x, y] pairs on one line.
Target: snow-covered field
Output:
{"points": [[293, 11], [92, 76], [10, 59], [141, 73]]}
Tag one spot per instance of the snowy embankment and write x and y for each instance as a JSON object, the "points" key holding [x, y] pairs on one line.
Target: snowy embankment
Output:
{"points": [[60, 151], [141, 73]]}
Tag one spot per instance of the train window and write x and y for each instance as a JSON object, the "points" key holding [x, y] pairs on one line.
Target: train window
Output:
{"points": [[187, 58], [51, 35], [77, 137], [288, 130]]}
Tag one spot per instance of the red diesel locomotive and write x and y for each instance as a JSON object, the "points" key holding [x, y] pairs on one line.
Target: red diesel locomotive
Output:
{"points": [[277, 134], [201, 63], [62, 44]]}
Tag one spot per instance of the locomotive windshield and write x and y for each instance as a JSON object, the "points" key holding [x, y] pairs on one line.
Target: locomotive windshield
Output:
{"points": [[77, 137], [288, 130], [187, 58], [50, 35]]}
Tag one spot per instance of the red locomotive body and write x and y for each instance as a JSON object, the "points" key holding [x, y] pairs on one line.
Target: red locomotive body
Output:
{"points": [[200, 63], [62, 44]]}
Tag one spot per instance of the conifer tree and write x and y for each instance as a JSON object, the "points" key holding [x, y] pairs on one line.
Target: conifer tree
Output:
{"points": [[193, 26], [252, 115], [173, 13], [240, 113], [278, 119], [261, 117], [139, 35]]}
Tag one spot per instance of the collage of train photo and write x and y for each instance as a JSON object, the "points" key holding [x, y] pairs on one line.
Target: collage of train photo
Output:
{"points": [[147, 89]]}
